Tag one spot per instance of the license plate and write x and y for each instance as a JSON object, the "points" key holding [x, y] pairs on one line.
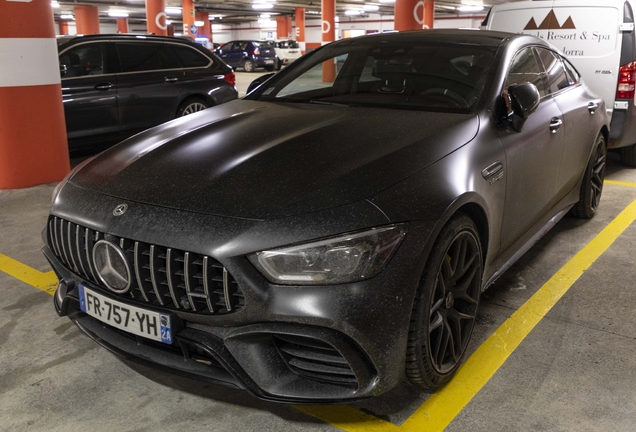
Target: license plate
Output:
{"points": [[293, 52], [269, 61], [141, 322]]}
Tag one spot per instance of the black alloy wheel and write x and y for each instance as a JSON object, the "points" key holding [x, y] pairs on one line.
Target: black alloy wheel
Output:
{"points": [[445, 307], [249, 66], [592, 186]]}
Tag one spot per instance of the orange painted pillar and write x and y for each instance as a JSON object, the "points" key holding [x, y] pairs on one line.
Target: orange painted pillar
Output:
{"points": [[156, 17], [188, 18], [409, 14], [328, 35], [170, 30], [300, 29], [122, 25], [63, 27], [87, 20], [429, 14], [33, 146], [289, 27], [281, 27], [204, 30]]}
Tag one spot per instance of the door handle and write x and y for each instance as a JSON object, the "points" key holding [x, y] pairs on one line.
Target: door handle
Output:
{"points": [[555, 124], [171, 79], [104, 86], [592, 107]]}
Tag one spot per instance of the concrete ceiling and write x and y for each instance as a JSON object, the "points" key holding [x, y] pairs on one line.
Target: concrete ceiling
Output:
{"points": [[237, 11]]}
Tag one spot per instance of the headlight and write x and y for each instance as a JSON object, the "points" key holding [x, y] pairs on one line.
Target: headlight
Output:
{"points": [[343, 259]]}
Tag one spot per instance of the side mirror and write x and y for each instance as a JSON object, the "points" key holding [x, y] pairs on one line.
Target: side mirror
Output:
{"points": [[524, 99], [258, 81]]}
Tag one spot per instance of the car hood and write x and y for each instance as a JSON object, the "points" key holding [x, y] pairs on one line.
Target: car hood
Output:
{"points": [[263, 160]]}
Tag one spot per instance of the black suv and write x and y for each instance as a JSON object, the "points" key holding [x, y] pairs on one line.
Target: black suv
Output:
{"points": [[114, 86], [249, 55]]}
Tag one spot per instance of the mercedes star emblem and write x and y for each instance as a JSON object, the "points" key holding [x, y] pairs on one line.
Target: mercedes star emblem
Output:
{"points": [[120, 209], [112, 267]]}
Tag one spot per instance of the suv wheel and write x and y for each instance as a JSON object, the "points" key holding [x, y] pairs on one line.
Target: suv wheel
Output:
{"points": [[192, 105], [249, 66]]}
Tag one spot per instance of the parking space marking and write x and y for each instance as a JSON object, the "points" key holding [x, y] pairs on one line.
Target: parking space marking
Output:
{"points": [[444, 405], [47, 281], [439, 410], [619, 183]]}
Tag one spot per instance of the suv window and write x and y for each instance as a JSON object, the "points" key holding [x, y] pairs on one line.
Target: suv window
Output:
{"points": [[83, 60], [145, 56], [189, 57], [525, 68], [557, 80]]}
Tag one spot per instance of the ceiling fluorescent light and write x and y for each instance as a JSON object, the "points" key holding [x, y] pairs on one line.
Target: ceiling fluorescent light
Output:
{"points": [[352, 12], [370, 7], [259, 6], [199, 23], [55, 4], [386, 1], [173, 10], [67, 17], [118, 14]]}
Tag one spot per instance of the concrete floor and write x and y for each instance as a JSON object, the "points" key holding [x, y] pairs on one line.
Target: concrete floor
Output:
{"points": [[574, 371]]}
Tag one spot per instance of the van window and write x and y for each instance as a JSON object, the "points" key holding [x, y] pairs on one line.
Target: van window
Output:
{"points": [[525, 68], [557, 80]]}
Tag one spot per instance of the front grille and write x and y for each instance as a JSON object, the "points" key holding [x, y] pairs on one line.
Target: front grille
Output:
{"points": [[162, 276], [314, 359]]}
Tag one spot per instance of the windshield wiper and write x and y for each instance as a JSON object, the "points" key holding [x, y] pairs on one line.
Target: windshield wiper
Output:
{"points": [[321, 102]]}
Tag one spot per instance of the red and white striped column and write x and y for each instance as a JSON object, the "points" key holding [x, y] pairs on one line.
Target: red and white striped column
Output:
{"points": [[300, 29], [33, 146], [328, 35]]}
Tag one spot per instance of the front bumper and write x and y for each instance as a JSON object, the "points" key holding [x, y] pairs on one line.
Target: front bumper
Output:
{"points": [[364, 323]]}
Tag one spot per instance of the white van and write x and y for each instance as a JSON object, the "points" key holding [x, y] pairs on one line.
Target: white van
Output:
{"points": [[597, 36], [287, 51]]}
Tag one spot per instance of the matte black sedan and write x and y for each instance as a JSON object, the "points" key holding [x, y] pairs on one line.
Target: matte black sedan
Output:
{"points": [[329, 235], [114, 86]]}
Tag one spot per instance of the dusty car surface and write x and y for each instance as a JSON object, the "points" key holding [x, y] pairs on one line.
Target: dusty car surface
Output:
{"points": [[329, 235]]}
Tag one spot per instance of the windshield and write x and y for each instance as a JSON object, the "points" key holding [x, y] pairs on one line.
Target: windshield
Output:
{"points": [[437, 77]]}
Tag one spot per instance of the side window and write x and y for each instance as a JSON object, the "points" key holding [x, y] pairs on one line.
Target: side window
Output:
{"points": [[189, 57], [226, 47], [168, 59], [573, 75], [525, 68], [557, 80], [138, 56], [83, 60]]}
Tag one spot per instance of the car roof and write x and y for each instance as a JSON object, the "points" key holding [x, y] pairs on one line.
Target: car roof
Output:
{"points": [[456, 36], [122, 36]]}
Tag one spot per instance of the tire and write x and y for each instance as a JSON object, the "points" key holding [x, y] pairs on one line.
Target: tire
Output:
{"points": [[592, 186], [279, 64], [628, 155], [249, 66], [192, 105], [445, 305]]}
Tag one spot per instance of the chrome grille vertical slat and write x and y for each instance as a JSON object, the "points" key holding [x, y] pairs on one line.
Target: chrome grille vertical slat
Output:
{"points": [[78, 248], [52, 237], [186, 273], [155, 288], [89, 255], [58, 235], [70, 246], [121, 243], [206, 288], [226, 290], [137, 272], [169, 277]]}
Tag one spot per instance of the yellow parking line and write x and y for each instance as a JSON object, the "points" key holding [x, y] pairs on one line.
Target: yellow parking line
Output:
{"points": [[619, 183], [47, 282], [444, 405]]}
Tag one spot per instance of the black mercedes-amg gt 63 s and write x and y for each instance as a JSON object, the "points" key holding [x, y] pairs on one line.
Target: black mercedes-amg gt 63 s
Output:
{"points": [[329, 235]]}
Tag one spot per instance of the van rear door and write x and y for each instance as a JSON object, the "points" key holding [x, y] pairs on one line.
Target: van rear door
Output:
{"points": [[586, 32]]}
